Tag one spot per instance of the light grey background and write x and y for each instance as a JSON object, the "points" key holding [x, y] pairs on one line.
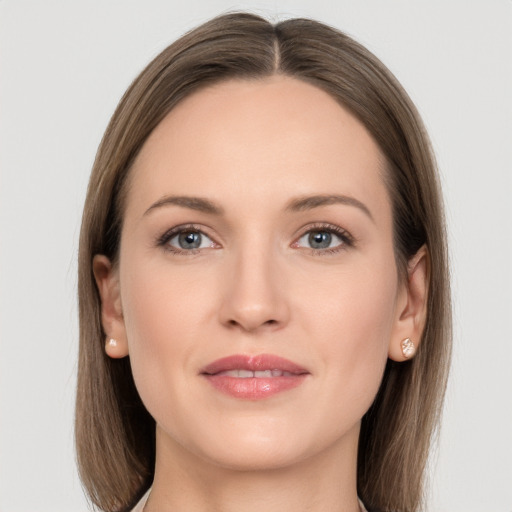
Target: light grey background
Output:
{"points": [[63, 67]]}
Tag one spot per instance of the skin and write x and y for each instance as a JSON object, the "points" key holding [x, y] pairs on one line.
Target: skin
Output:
{"points": [[257, 286]]}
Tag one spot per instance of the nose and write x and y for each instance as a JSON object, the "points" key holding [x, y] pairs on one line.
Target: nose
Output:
{"points": [[254, 296]]}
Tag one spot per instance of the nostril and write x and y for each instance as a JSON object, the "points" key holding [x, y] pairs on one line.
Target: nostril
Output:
{"points": [[249, 326]]}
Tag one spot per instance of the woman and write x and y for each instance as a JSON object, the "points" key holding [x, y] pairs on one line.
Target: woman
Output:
{"points": [[263, 236]]}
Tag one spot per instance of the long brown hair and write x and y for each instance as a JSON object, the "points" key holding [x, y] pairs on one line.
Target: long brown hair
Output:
{"points": [[115, 435]]}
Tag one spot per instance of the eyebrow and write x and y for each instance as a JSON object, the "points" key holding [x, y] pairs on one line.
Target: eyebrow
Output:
{"points": [[296, 205], [310, 202], [194, 203]]}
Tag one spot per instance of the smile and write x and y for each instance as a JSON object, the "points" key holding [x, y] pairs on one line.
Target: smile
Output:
{"points": [[253, 377]]}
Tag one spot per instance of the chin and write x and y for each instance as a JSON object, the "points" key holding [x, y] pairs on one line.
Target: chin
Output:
{"points": [[251, 456], [266, 446]]}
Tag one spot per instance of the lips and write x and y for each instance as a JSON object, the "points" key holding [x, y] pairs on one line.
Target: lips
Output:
{"points": [[254, 377]]}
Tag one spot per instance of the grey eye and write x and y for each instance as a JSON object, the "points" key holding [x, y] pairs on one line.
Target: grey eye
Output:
{"points": [[189, 240], [320, 239]]}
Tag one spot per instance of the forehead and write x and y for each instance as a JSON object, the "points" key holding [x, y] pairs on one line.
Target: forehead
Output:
{"points": [[244, 141]]}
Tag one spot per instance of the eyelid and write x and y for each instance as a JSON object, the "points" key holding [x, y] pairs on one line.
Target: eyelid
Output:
{"points": [[345, 236], [163, 240], [348, 240]]}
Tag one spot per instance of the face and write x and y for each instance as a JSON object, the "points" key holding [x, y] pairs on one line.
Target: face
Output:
{"points": [[256, 291]]}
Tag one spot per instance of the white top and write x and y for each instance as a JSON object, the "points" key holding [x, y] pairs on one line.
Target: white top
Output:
{"points": [[140, 506]]}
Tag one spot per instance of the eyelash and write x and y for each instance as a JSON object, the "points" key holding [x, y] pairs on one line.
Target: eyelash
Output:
{"points": [[163, 241], [346, 238]]}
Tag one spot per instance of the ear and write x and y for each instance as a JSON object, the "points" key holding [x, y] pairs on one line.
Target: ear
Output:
{"points": [[107, 280], [411, 307]]}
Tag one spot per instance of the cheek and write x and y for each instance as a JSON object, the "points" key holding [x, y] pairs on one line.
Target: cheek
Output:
{"points": [[351, 321], [161, 301], [354, 304], [161, 314]]}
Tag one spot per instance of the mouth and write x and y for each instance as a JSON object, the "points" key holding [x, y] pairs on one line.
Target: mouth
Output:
{"points": [[253, 377], [258, 374]]}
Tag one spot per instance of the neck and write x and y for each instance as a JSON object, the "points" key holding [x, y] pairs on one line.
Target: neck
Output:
{"points": [[325, 482]]}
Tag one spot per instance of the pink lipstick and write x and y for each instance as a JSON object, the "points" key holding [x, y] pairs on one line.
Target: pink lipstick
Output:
{"points": [[253, 377]]}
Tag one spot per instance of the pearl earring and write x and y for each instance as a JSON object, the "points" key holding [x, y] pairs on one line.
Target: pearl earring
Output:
{"points": [[112, 343], [408, 348]]}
